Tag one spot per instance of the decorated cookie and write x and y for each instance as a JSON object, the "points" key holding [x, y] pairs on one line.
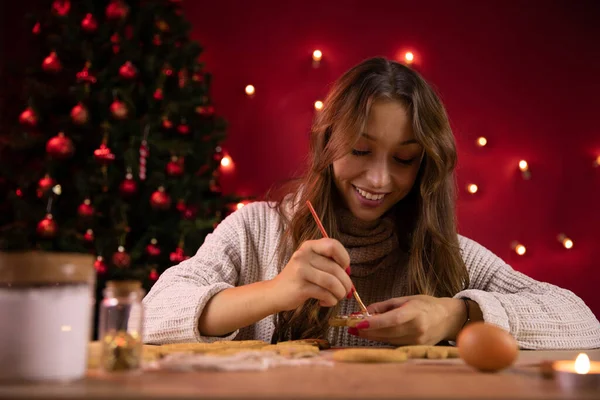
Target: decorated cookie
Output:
{"points": [[347, 320], [370, 356], [430, 352]]}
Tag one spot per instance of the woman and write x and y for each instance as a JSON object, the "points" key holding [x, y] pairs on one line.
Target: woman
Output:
{"points": [[381, 179]]}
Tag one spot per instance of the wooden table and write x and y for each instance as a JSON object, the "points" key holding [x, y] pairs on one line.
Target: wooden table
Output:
{"points": [[415, 379]]}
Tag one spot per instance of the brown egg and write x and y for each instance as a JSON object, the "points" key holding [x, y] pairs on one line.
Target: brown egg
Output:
{"points": [[486, 347]]}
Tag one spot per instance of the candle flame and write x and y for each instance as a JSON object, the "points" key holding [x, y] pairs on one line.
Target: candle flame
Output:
{"points": [[582, 364]]}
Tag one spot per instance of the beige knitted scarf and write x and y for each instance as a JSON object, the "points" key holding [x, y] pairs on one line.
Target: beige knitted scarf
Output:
{"points": [[371, 245]]}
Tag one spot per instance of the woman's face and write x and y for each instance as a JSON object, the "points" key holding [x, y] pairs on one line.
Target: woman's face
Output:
{"points": [[382, 167]]}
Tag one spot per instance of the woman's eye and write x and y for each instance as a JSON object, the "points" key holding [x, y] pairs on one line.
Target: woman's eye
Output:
{"points": [[404, 161], [360, 152]]}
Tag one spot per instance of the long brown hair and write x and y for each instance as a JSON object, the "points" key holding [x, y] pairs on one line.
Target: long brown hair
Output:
{"points": [[427, 213]]}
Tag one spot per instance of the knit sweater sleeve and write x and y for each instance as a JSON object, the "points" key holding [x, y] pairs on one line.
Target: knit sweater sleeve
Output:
{"points": [[539, 315], [176, 301]]}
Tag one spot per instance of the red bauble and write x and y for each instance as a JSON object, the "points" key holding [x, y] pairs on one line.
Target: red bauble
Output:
{"points": [[28, 117], [45, 184], [52, 63], [183, 129], [84, 74], [89, 24], [157, 40], [178, 256], [36, 28], [47, 228], [85, 209], [190, 212], [117, 10], [121, 259], [118, 109], [128, 71], [61, 7], [167, 70], [166, 124], [60, 147], [103, 155], [175, 167], [79, 114], [153, 275], [160, 200], [128, 187], [89, 236], [180, 205], [158, 94], [100, 265], [152, 249], [205, 111]]}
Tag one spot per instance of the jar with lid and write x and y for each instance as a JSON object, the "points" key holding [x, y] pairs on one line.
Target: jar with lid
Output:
{"points": [[120, 326]]}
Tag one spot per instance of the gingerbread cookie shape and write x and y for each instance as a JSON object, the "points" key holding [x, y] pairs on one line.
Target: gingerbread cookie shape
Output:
{"points": [[347, 320], [370, 356], [429, 352]]}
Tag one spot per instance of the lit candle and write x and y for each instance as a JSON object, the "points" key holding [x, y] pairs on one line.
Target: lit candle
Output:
{"points": [[250, 90], [472, 188], [318, 105], [581, 373], [409, 57], [566, 242], [481, 141], [518, 248]]}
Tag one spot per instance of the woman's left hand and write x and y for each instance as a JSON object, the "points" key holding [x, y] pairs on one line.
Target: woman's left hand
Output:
{"points": [[412, 320]]}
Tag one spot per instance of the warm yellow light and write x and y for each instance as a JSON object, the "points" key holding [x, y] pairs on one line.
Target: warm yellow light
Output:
{"points": [[582, 364], [520, 249], [225, 161], [566, 242], [523, 166], [409, 57], [240, 205], [250, 90], [472, 188], [597, 162], [318, 105], [317, 55], [481, 141]]}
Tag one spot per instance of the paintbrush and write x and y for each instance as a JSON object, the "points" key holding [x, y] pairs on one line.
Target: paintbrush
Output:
{"points": [[324, 233]]}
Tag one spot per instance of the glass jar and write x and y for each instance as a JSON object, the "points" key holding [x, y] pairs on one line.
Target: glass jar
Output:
{"points": [[120, 326], [46, 315]]}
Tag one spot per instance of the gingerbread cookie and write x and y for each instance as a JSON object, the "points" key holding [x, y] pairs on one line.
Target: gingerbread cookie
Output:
{"points": [[429, 352], [347, 320], [370, 356], [322, 344]]}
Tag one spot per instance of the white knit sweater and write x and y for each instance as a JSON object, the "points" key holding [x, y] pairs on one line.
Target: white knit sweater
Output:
{"points": [[242, 250]]}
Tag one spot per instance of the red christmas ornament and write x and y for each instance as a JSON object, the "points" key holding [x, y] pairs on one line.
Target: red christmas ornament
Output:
{"points": [[158, 94], [190, 212], [89, 23], [160, 200], [205, 111], [167, 70], [116, 10], [128, 71], [128, 187], [180, 205], [47, 228], [166, 124], [52, 63], [175, 167], [79, 114], [103, 154], [121, 259], [89, 236], [118, 109], [28, 117], [45, 184], [153, 275], [60, 147], [115, 39], [100, 265], [178, 256], [85, 209], [183, 129], [84, 74], [156, 40], [36, 29], [152, 249], [61, 7]]}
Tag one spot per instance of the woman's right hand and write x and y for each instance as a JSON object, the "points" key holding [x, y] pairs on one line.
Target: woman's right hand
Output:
{"points": [[320, 270]]}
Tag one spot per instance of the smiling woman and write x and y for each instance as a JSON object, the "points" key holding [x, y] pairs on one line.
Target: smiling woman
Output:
{"points": [[381, 180]]}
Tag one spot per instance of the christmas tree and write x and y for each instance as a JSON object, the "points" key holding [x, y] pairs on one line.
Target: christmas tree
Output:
{"points": [[116, 152]]}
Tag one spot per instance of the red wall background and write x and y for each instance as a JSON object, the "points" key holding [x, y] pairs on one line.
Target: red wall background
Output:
{"points": [[524, 74]]}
